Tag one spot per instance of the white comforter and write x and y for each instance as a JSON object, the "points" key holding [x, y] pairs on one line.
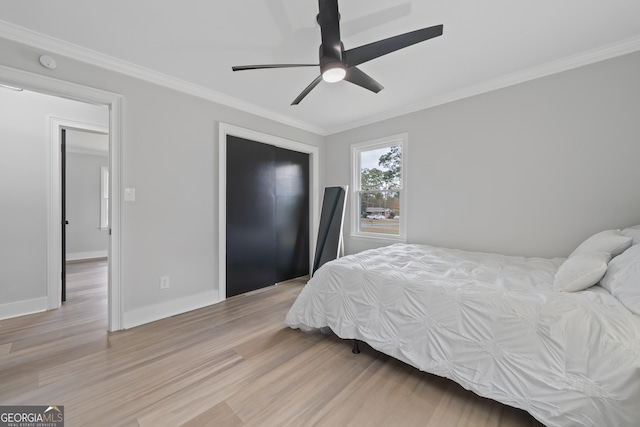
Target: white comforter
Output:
{"points": [[490, 322]]}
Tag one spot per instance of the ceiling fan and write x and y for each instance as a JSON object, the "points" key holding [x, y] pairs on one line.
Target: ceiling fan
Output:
{"points": [[338, 64]]}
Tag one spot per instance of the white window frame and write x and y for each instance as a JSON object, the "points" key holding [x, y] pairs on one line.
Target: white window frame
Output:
{"points": [[356, 149], [104, 197]]}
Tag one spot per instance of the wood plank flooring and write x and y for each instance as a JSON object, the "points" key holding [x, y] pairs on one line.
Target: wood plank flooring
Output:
{"points": [[232, 364]]}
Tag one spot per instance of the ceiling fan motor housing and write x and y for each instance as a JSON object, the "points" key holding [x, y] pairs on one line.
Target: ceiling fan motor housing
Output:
{"points": [[332, 68]]}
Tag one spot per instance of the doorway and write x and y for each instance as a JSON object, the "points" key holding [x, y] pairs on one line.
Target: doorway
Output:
{"points": [[50, 167], [84, 188]]}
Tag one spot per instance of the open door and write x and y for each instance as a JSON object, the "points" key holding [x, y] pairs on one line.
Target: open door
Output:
{"points": [[63, 204]]}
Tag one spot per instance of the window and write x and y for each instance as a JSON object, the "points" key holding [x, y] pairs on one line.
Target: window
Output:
{"points": [[104, 198], [379, 188]]}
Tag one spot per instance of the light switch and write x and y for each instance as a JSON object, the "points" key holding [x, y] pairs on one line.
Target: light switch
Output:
{"points": [[129, 194]]}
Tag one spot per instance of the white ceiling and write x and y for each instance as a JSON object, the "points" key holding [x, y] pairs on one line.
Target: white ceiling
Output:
{"points": [[192, 44]]}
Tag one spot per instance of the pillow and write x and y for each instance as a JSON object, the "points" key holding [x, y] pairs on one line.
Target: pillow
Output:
{"points": [[622, 279], [581, 271], [609, 241], [633, 232]]}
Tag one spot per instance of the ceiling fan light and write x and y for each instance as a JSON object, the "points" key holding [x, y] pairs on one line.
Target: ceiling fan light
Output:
{"points": [[334, 74]]}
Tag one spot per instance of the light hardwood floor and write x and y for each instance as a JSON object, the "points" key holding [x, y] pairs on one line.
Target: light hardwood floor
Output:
{"points": [[232, 364]]}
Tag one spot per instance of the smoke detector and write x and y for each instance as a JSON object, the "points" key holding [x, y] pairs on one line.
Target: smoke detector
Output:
{"points": [[48, 62]]}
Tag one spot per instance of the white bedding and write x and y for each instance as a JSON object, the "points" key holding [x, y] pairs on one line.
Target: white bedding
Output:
{"points": [[492, 323]]}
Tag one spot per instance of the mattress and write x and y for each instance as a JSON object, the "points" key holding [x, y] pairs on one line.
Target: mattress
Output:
{"points": [[492, 323]]}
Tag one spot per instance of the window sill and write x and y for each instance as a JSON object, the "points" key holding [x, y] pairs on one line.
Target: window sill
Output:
{"points": [[393, 238]]}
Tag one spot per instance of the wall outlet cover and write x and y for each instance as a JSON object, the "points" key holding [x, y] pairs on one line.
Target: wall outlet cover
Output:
{"points": [[164, 282]]}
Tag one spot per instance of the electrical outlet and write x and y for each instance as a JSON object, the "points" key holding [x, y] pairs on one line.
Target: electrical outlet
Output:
{"points": [[164, 282]]}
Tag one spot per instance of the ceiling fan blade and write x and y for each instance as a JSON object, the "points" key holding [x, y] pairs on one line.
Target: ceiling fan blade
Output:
{"points": [[329, 20], [258, 67], [359, 55], [307, 90], [360, 78]]}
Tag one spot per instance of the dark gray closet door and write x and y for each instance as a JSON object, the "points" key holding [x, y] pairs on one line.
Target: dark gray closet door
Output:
{"points": [[251, 202], [267, 215], [292, 214]]}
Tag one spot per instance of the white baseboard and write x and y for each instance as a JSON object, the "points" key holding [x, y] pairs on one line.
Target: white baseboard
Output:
{"points": [[166, 309], [22, 308], [76, 256]]}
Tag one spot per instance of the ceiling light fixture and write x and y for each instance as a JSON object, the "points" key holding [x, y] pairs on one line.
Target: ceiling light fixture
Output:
{"points": [[334, 72]]}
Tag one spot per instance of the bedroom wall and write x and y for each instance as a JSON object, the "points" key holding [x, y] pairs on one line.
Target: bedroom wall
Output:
{"points": [[85, 239], [25, 132], [170, 156], [531, 169]]}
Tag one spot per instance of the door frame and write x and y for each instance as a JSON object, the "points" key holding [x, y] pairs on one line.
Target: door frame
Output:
{"points": [[225, 129], [57, 125], [50, 86]]}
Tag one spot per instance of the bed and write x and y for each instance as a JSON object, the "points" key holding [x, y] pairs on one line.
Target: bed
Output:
{"points": [[559, 338]]}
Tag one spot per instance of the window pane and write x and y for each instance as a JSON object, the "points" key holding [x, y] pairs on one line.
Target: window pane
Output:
{"points": [[380, 212], [381, 168]]}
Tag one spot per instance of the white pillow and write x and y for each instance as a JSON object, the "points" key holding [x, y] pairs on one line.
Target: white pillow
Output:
{"points": [[622, 279], [588, 262], [581, 271], [633, 232], [609, 241]]}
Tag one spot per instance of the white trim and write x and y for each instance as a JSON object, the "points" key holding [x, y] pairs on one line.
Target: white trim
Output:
{"points": [[401, 139], [77, 256], [167, 309], [51, 86], [116, 255], [313, 151], [22, 308], [53, 45]]}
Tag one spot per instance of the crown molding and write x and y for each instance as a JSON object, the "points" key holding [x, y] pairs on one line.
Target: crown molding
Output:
{"points": [[585, 58], [53, 45], [23, 35]]}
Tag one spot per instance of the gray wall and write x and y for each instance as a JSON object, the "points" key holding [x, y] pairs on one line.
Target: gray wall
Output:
{"points": [[85, 239], [531, 169], [170, 156]]}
